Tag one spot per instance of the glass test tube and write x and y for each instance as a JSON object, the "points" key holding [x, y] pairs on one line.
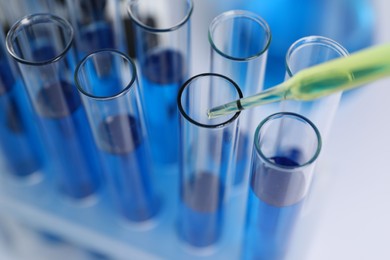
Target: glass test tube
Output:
{"points": [[286, 147], [239, 43], [42, 46], [97, 25], [206, 153], [20, 142], [107, 80], [304, 53], [163, 52]]}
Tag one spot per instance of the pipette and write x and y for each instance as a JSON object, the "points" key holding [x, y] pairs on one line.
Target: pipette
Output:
{"points": [[321, 80]]}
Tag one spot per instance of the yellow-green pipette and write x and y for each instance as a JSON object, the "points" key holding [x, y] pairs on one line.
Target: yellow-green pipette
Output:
{"points": [[336, 75]]}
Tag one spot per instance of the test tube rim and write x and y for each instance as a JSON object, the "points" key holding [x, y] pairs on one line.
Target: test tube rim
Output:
{"points": [[116, 95], [186, 116], [286, 167], [311, 40], [234, 14], [40, 18], [160, 30]]}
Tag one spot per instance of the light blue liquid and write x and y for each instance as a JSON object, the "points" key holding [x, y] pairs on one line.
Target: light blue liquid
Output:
{"points": [[96, 36], [63, 119], [274, 203], [162, 76], [242, 162], [20, 143], [270, 229], [130, 180], [220, 152], [200, 222], [129, 171]]}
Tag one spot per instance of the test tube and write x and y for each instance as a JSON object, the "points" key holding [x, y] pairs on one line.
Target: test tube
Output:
{"points": [[97, 25], [206, 151], [20, 142], [304, 53], [110, 94], [42, 46], [163, 51], [286, 147], [239, 44]]}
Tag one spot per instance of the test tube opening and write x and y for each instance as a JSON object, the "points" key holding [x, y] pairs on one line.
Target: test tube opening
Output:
{"points": [[160, 19], [249, 35], [279, 131], [39, 39], [310, 51], [207, 90], [100, 74]]}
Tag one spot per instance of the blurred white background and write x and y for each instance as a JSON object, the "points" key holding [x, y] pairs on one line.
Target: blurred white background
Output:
{"points": [[355, 218]]}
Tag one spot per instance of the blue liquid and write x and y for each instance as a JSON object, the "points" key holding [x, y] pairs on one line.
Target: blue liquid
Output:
{"points": [[6, 77], [63, 119], [96, 36], [42, 50], [163, 74], [243, 158], [94, 255], [20, 145], [93, 9], [275, 200], [221, 152], [96, 32], [19, 139], [200, 209], [129, 168], [103, 78], [50, 238]]}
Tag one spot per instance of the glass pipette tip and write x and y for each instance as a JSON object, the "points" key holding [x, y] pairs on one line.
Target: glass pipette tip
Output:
{"points": [[327, 78]]}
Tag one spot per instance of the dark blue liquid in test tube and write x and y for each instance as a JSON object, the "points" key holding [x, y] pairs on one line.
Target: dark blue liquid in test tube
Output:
{"points": [[20, 142], [205, 159], [201, 209], [42, 45], [62, 115], [125, 150], [162, 75], [63, 118], [285, 149], [107, 81], [275, 200]]}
